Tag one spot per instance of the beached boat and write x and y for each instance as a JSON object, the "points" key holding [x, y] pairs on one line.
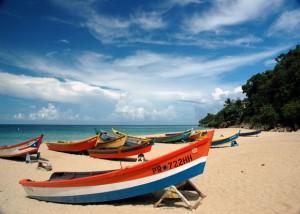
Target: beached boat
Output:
{"points": [[170, 138], [145, 177], [129, 149], [107, 140], [130, 138], [29, 147], [225, 140], [175, 133], [197, 135], [244, 134], [74, 146]]}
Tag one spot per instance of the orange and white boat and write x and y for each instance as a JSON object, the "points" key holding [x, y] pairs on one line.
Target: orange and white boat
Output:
{"points": [[146, 177]]}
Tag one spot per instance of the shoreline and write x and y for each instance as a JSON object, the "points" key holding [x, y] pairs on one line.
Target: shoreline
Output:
{"points": [[261, 175]]}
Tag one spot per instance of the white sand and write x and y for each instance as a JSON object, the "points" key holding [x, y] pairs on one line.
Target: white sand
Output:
{"points": [[261, 175]]}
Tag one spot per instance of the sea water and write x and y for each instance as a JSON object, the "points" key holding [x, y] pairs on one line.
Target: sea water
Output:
{"points": [[14, 134]]}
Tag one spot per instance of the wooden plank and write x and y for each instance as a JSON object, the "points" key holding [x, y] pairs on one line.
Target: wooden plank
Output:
{"points": [[175, 192]]}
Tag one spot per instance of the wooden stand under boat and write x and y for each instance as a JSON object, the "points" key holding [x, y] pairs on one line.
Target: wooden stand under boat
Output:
{"points": [[176, 191]]}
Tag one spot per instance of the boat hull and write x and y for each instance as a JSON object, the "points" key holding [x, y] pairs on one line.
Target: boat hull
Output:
{"points": [[245, 134], [226, 140], [113, 143], [170, 138], [197, 135], [74, 146], [29, 147], [121, 152], [122, 190], [140, 179], [130, 138]]}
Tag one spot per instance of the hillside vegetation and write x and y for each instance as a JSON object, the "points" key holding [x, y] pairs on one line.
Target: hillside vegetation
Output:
{"points": [[272, 99]]}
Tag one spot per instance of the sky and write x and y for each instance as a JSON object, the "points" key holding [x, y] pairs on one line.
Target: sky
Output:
{"points": [[116, 62]]}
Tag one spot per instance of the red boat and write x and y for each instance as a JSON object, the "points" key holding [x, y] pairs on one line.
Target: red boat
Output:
{"points": [[74, 146], [129, 149], [29, 147]]}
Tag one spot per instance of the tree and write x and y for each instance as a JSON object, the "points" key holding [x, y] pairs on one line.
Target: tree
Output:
{"points": [[291, 113], [272, 97], [268, 116]]}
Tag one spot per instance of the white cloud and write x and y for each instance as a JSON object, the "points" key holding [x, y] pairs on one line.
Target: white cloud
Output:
{"points": [[51, 53], [243, 41], [238, 90], [50, 89], [53, 113], [156, 81], [288, 22], [48, 65], [144, 74], [19, 116], [132, 112], [50, 113], [171, 66], [122, 30], [217, 42], [132, 109], [168, 113], [107, 30], [64, 41], [149, 20], [139, 113], [270, 62], [221, 94], [230, 12], [183, 2]]}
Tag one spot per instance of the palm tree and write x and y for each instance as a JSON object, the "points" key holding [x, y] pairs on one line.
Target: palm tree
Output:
{"points": [[228, 101]]}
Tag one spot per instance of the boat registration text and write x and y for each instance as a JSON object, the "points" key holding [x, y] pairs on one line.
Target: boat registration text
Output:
{"points": [[172, 164]]}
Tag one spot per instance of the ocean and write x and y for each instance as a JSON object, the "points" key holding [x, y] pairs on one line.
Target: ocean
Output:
{"points": [[14, 134]]}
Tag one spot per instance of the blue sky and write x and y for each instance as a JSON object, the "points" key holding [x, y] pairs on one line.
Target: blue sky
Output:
{"points": [[135, 62]]}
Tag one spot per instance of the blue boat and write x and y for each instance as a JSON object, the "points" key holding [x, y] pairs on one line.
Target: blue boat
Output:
{"points": [[256, 132], [224, 140]]}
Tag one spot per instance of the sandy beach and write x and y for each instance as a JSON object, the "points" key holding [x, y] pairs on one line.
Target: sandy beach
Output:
{"points": [[261, 175]]}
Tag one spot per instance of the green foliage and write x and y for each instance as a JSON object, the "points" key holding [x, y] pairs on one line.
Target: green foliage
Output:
{"points": [[272, 98], [268, 116], [211, 120], [228, 116], [291, 112]]}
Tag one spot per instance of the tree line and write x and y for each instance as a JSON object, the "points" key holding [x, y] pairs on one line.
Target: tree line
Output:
{"points": [[272, 99]]}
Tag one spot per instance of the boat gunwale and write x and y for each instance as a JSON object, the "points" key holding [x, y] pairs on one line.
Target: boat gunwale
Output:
{"points": [[231, 137], [116, 132], [121, 148], [20, 144], [73, 142]]}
